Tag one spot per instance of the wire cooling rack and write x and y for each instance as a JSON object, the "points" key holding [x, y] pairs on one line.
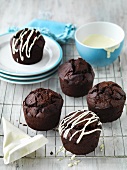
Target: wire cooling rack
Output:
{"points": [[113, 139]]}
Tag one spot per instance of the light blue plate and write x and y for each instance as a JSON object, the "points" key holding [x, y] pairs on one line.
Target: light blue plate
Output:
{"points": [[33, 81], [51, 58]]}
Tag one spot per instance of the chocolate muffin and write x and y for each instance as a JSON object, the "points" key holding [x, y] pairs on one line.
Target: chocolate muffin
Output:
{"points": [[107, 100], [42, 109], [80, 132], [27, 46], [76, 77]]}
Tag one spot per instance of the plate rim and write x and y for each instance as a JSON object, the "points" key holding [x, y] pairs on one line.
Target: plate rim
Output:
{"points": [[32, 76], [33, 81], [38, 72]]}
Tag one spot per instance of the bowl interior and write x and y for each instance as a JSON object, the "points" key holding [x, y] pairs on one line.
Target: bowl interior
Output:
{"points": [[104, 28]]}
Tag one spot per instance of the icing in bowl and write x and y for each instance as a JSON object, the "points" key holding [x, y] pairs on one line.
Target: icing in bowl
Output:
{"points": [[99, 56]]}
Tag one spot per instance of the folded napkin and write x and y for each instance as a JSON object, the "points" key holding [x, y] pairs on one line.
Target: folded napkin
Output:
{"points": [[18, 144], [59, 31]]}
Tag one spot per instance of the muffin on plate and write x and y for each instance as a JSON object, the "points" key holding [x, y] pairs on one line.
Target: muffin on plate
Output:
{"points": [[80, 132], [107, 100], [76, 77], [27, 46], [42, 109]]}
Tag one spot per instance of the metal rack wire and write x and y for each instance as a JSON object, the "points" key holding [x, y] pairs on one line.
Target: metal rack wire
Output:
{"points": [[113, 140]]}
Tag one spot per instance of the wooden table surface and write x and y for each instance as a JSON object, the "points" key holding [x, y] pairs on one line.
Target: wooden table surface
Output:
{"points": [[17, 13]]}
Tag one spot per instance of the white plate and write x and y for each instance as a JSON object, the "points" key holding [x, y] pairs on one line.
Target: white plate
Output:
{"points": [[51, 57], [38, 76], [33, 81]]}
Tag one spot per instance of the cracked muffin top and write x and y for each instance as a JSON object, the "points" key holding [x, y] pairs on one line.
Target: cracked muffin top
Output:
{"points": [[106, 94], [39, 100], [76, 71]]}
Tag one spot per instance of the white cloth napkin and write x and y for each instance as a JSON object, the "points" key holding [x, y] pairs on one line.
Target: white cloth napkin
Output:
{"points": [[18, 144]]}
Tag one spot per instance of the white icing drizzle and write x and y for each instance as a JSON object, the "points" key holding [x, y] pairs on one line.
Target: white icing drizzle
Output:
{"points": [[26, 44], [111, 50], [74, 119], [33, 43]]}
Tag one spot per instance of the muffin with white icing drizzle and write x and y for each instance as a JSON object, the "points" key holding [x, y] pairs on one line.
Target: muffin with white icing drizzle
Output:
{"points": [[80, 132], [27, 46]]}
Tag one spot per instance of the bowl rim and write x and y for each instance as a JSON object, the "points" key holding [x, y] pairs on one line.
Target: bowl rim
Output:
{"points": [[89, 23]]}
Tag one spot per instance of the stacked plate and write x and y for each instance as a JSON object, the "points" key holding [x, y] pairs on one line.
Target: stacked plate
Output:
{"points": [[14, 72]]}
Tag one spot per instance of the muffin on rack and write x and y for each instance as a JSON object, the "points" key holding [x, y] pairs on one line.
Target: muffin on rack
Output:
{"points": [[107, 100], [27, 46], [76, 77], [80, 132], [42, 109]]}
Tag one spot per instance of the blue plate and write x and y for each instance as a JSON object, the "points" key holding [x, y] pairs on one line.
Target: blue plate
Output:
{"points": [[33, 81]]}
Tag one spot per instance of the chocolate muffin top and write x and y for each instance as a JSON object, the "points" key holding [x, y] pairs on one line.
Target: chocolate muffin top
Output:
{"points": [[78, 124], [106, 95], [24, 40], [76, 71], [39, 100]]}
